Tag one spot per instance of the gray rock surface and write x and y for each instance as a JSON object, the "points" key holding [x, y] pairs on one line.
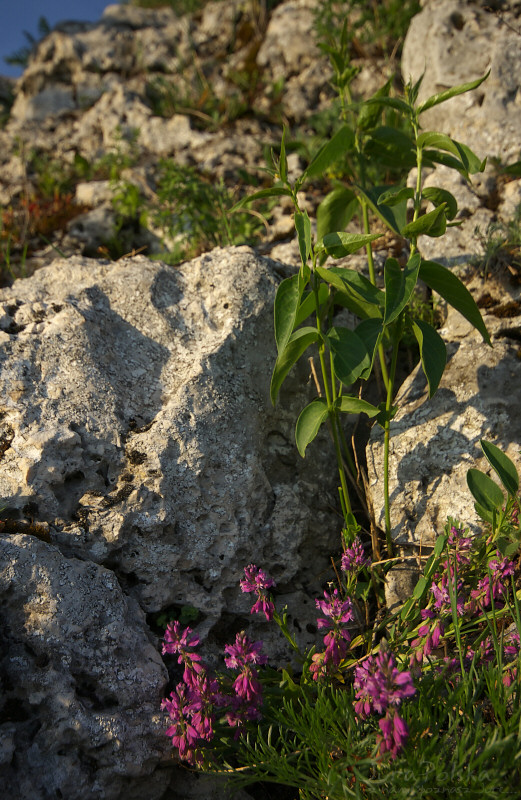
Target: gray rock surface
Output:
{"points": [[434, 442], [81, 681], [454, 42], [136, 423]]}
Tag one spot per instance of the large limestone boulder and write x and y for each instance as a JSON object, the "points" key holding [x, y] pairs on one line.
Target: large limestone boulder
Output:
{"points": [[451, 42], [81, 681], [143, 461], [137, 422]]}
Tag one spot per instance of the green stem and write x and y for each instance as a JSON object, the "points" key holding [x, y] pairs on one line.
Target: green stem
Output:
{"points": [[372, 277], [332, 414], [387, 434]]}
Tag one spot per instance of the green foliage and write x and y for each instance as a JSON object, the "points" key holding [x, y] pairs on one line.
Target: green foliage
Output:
{"points": [[191, 211], [20, 57], [463, 718], [387, 315]]}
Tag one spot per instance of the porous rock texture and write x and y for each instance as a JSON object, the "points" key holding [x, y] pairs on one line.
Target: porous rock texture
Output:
{"points": [[136, 423], [434, 442]]}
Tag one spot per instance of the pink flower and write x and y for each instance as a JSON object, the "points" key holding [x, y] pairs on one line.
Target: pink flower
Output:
{"points": [[258, 581]]}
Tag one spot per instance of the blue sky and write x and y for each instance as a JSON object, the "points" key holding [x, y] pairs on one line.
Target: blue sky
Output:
{"points": [[19, 15]]}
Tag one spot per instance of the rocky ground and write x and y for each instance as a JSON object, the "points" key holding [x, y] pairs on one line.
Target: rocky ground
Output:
{"points": [[141, 462]]}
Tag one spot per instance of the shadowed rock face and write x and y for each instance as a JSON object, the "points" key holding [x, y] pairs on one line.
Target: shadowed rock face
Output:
{"points": [[136, 423]]}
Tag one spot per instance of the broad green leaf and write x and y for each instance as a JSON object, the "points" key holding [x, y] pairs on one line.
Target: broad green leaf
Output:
{"points": [[443, 142], [438, 196], [394, 217], [298, 343], [393, 196], [353, 405], [335, 211], [357, 306], [349, 354], [370, 113], [409, 610], [342, 244], [307, 305], [399, 285], [420, 587], [391, 146], [441, 97], [285, 310], [484, 490], [503, 466], [349, 280], [339, 144], [391, 102], [484, 513], [274, 191], [433, 353], [303, 226], [427, 224], [308, 424], [433, 157], [448, 286], [369, 331]]}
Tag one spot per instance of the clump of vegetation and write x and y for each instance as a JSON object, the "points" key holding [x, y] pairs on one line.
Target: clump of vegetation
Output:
{"points": [[192, 212]]}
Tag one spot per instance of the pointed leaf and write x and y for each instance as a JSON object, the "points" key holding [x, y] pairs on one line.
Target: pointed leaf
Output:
{"points": [[335, 211], [443, 142], [399, 285], [349, 354], [285, 310], [307, 305], [360, 308], [353, 405], [342, 244], [433, 157], [349, 281], [274, 191], [441, 97], [298, 343], [308, 424], [391, 102], [427, 224], [433, 353], [303, 226], [503, 466], [394, 217], [337, 147], [393, 196], [391, 147], [438, 196], [448, 286], [370, 332], [484, 490], [370, 113]]}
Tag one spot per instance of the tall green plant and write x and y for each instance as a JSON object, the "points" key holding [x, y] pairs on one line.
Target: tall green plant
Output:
{"points": [[345, 355]]}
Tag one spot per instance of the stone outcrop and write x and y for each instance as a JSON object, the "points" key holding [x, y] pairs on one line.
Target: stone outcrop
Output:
{"points": [[137, 429], [141, 463], [434, 442]]}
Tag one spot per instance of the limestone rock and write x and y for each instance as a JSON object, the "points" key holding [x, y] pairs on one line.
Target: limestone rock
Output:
{"points": [[434, 442], [143, 433], [454, 42], [81, 681]]}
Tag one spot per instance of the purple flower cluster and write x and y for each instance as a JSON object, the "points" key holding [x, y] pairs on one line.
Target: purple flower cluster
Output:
{"points": [[337, 613], [354, 558], [192, 705], [494, 585], [380, 688], [256, 580]]}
